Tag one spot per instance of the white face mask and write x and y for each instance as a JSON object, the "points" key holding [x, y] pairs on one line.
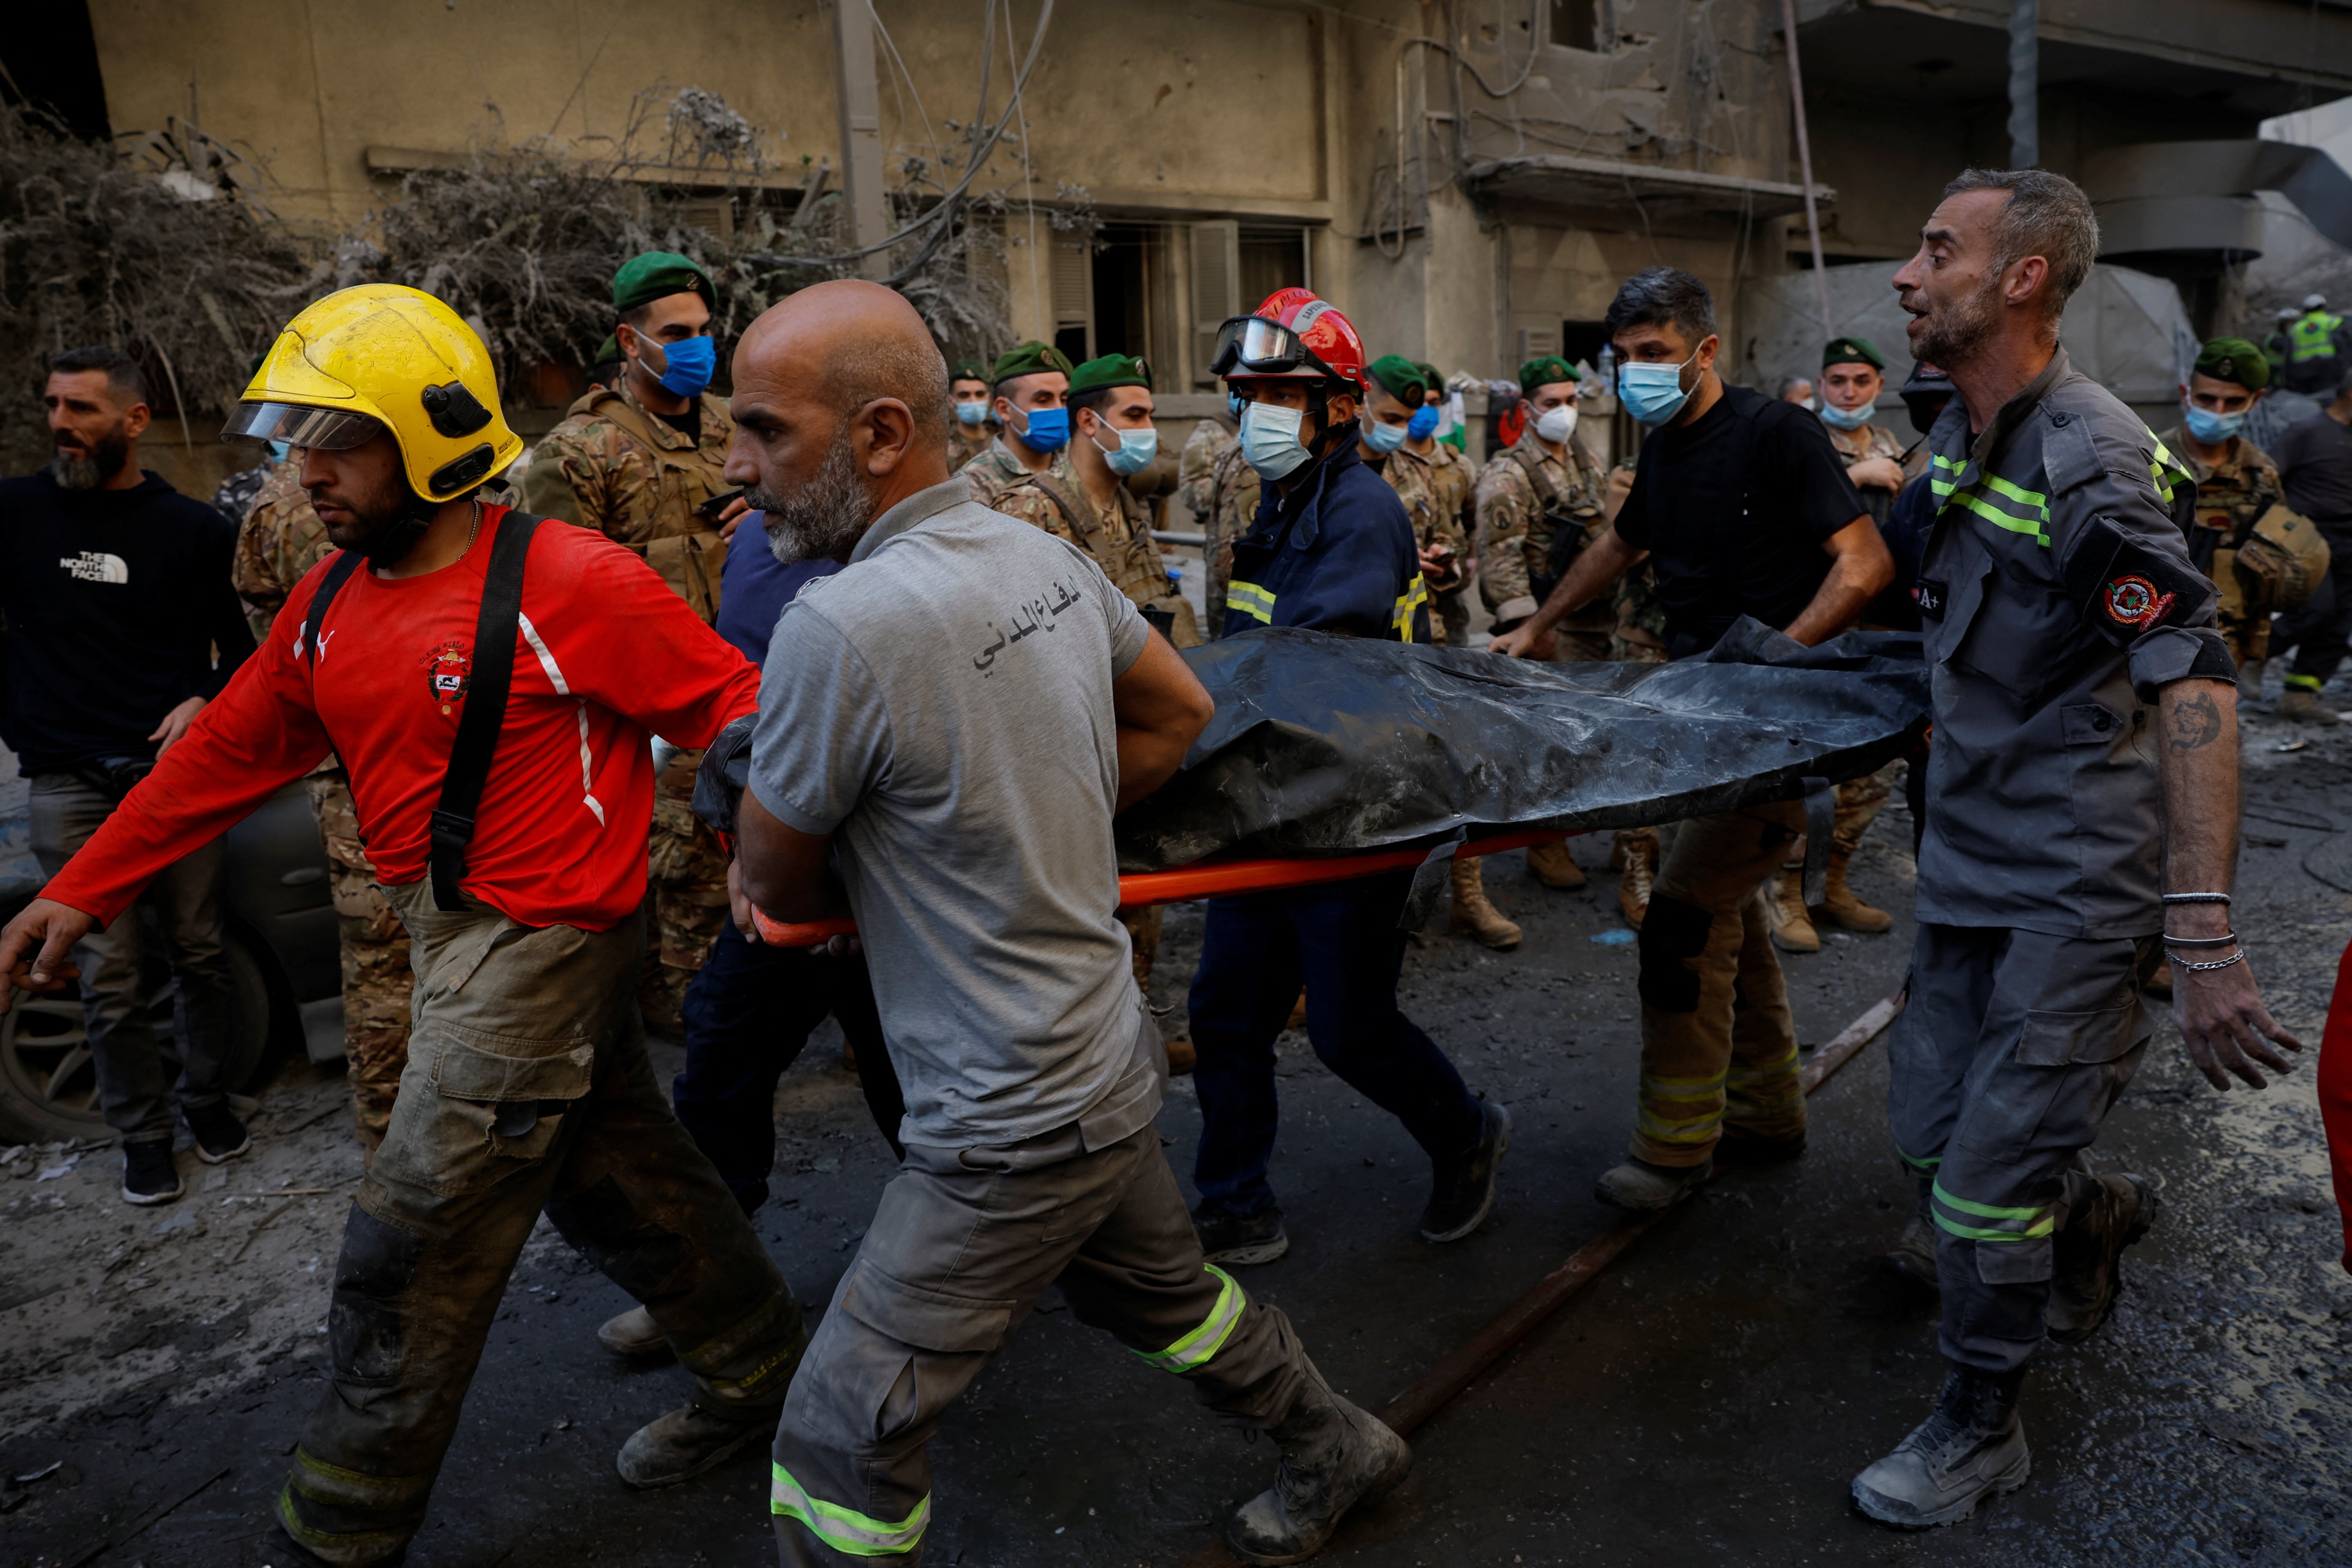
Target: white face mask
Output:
{"points": [[1270, 442], [1556, 425]]}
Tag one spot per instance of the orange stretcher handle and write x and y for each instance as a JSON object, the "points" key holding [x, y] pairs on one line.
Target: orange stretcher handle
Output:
{"points": [[1211, 879]]}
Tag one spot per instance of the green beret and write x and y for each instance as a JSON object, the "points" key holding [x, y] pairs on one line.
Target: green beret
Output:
{"points": [[1109, 371], [1431, 377], [1543, 371], [2235, 359], [1402, 376], [656, 275], [607, 352], [1853, 350], [968, 369], [1031, 358]]}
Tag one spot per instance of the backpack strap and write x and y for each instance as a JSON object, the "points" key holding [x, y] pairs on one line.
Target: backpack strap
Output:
{"points": [[346, 562], [486, 707]]}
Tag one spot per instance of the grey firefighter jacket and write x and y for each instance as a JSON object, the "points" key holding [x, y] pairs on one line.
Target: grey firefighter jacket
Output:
{"points": [[2056, 598]]}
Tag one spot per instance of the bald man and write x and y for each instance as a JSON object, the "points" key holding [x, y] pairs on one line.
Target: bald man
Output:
{"points": [[963, 780]]}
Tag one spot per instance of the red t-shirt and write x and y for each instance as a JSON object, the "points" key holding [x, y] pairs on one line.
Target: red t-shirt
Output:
{"points": [[607, 654]]}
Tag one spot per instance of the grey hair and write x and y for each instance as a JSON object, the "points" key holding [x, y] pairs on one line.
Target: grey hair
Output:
{"points": [[2046, 215], [1662, 296], [910, 369], [1789, 383]]}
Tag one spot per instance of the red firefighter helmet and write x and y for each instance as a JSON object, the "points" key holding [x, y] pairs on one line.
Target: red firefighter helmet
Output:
{"points": [[1292, 334]]}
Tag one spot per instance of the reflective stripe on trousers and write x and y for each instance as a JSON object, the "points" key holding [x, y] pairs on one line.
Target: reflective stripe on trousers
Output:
{"points": [[1196, 1348], [846, 1529]]}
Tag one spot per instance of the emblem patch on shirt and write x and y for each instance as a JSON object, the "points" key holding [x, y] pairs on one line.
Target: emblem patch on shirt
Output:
{"points": [[450, 672], [2134, 601], [1928, 594]]}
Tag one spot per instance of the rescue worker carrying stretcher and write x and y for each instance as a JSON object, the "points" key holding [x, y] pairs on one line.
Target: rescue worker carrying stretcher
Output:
{"points": [[492, 685], [963, 782], [1332, 550]]}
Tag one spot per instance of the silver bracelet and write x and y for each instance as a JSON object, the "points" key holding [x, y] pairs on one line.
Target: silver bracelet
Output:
{"points": [[2237, 957], [2172, 941], [2196, 898]]}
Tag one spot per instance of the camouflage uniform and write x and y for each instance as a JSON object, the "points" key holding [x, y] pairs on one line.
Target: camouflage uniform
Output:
{"points": [[996, 470], [615, 467], [966, 442], [234, 497], [1514, 538], [281, 539], [1436, 493], [1221, 491], [2231, 496], [1119, 541], [1640, 638]]}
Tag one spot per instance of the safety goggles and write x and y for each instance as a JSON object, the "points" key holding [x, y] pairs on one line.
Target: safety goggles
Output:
{"points": [[297, 424], [1252, 345]]}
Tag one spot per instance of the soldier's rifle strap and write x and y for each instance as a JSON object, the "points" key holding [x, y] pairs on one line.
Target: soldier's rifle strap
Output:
{"points": [[1073, 507], [492, 677]]}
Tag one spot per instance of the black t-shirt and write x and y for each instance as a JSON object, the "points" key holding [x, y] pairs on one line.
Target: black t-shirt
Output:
{"points": [[686, 423], [113, 602], [2314, 459], [1733, 510]]}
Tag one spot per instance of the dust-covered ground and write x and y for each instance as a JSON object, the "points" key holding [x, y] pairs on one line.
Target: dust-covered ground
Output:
{"points": [[1706, 1401]]}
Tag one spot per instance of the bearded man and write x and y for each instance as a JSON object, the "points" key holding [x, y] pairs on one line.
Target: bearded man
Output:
{"points": [[115, 590]]}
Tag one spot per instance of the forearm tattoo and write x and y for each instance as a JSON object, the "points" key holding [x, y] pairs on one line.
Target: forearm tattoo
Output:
{"points": [[2196, 723]]}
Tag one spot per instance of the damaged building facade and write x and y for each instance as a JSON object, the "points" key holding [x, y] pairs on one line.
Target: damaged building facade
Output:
{"points": [[1470, 179]]}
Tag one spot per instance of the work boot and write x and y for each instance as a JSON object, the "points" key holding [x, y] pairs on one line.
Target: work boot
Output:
{"points": [[1553, 865], [1634, 887], [2302, 704], [1182, 1058], [1838, 907], [1333, 1455], [1784, 911], [219, 1134], [1645, 1188], [1970, 1447], [634, 1335], [688, 1441], [2250, 681], [1462, 1190], [1473, 916], [148, 1174], [2087, 1269], [1240, 1238]]}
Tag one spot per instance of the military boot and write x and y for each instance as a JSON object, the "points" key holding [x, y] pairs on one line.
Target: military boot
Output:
{"points": [[1554, 866], [1970, 1447], [1838, 907], [2087, 1268], [1633, 886], [1784, 911], [1333, 1455], [1473, 916], [688, 1441], [2302, 704], [634, 1335]]}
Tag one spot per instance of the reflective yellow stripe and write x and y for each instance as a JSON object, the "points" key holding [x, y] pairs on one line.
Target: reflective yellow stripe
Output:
{"points": [[2026, 1224], [1250, 600], [1918, 1165], [2312, 337], [1682, 1086], [2167, 470], [1199, 1347], [2037, 530], [844, 1529], [1769, 1070], [1686, 1130], [1416, 594]]}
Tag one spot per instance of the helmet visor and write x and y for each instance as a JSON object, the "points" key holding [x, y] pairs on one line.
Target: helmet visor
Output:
{"points": [[297, 424], [1252, 345]]}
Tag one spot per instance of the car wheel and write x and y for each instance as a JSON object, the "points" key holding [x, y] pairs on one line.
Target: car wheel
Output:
{"points": [[48, 1082]]}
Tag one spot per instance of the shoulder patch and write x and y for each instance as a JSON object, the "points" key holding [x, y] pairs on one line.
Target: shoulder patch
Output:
{"points": [[2123, 588]]}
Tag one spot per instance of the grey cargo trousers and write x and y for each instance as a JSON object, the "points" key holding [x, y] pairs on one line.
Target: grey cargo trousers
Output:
{"points": [[526, 1088], [2008, 1055], [962, 1247]]}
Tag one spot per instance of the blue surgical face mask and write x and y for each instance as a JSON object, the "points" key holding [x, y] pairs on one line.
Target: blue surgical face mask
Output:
{"points": [[1844, 419], [1134, 452], [1652, 394], [1384, 437], [1423, 423], [972, 411], [1044, 429], [1270, 442], [277, 450], [1234, 402], [2210, 427], [685, 367]]}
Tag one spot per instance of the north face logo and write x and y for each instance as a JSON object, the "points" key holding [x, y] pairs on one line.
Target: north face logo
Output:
{"points": [[90, 566]]}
